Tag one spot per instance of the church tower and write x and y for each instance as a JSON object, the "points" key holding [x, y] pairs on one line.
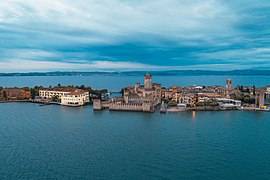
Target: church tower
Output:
{"points": [[229, 83], [148, 81]]}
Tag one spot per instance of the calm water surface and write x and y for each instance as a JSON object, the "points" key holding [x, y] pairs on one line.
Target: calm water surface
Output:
{"points": [[115, 83], [76, 143]]}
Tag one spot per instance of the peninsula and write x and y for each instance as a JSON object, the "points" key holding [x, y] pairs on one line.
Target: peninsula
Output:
{"points": [[147, 97]]}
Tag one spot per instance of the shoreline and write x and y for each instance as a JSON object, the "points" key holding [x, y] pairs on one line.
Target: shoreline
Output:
{"points": [[10, 101], [158, 110]]}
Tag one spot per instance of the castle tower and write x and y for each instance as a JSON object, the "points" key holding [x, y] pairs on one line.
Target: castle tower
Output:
{"points": [[148, 81], [137, 86], [229, 83], [260, 98]]}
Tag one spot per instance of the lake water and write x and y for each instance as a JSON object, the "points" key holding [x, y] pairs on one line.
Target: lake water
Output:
{"points": [[56, 142], [39, 142], [115, 83]]}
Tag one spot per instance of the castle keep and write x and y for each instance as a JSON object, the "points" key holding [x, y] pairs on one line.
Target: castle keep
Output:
{"points": [[135, 98]]}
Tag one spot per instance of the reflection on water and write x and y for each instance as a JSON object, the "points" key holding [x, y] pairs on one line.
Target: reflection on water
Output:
{"points": [[193, 115]]}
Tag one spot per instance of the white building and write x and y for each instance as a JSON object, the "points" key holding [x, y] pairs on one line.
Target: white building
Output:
{"points": [[229, 102], [78, 98], [50, 93], [67, 96]]}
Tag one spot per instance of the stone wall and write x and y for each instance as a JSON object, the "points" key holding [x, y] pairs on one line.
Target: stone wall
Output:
{"points": [[147, 107], [97, 104], [125, 107]]}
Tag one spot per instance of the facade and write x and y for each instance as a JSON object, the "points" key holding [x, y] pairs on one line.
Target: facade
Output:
{"points": [[187, 98], [77, 98], [148, 81], [262, 97], [228, 89], [67, 96], [147, 96], [173, 92], [190, 95], [15, 93], [49, 93]]}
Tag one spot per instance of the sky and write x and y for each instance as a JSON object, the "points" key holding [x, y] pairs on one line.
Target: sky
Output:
{"points": [[123, 35]]}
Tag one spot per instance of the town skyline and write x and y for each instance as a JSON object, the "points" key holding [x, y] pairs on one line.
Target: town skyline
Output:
{"points": [[119, 35], [147, 97]]}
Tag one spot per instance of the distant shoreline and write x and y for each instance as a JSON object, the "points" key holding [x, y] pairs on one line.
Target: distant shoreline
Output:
{"points": [[139, 73]]}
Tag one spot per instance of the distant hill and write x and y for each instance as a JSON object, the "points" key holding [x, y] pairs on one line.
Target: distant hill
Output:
{"points": [[155, 73]]}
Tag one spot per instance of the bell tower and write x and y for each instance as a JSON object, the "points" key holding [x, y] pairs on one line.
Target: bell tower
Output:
{"points": [[229, 83], [148, 81]]}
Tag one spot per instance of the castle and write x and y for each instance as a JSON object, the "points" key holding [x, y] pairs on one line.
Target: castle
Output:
{"points": [[135, 98]]}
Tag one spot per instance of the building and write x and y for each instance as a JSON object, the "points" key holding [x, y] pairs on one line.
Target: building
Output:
{"points": [[173, 92], [148, 81], [190, 95], [15, 93], [76, 98], [135, 98], [147, 94], [262, 97], [229, 103], [50, 93], [187, 98], [229, 83], [65, 96]]}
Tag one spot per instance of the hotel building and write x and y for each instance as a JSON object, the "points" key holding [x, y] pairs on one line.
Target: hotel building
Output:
{"points": [[67, 96]]}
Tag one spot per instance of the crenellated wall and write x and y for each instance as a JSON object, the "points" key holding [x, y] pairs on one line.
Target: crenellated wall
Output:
{"points": [[125, 107], [97, 104]]}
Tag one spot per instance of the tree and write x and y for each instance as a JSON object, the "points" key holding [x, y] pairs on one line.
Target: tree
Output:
{"points": [[82, 87], [5, 95], [26, 88], [172, 103], [34, 93]]}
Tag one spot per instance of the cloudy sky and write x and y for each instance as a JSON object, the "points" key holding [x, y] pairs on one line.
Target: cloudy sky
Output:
{"points": [[87, 35]]}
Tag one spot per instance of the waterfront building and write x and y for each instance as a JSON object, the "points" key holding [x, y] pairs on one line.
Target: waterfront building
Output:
{"points": [[267, 96], [192, 94], [187, 98], [76, 98], [49, 93], [201, 97], [65, 96], [15, 93], [229, 103], [146, 97], [135, 98], [262, 96], [172, 92]]}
